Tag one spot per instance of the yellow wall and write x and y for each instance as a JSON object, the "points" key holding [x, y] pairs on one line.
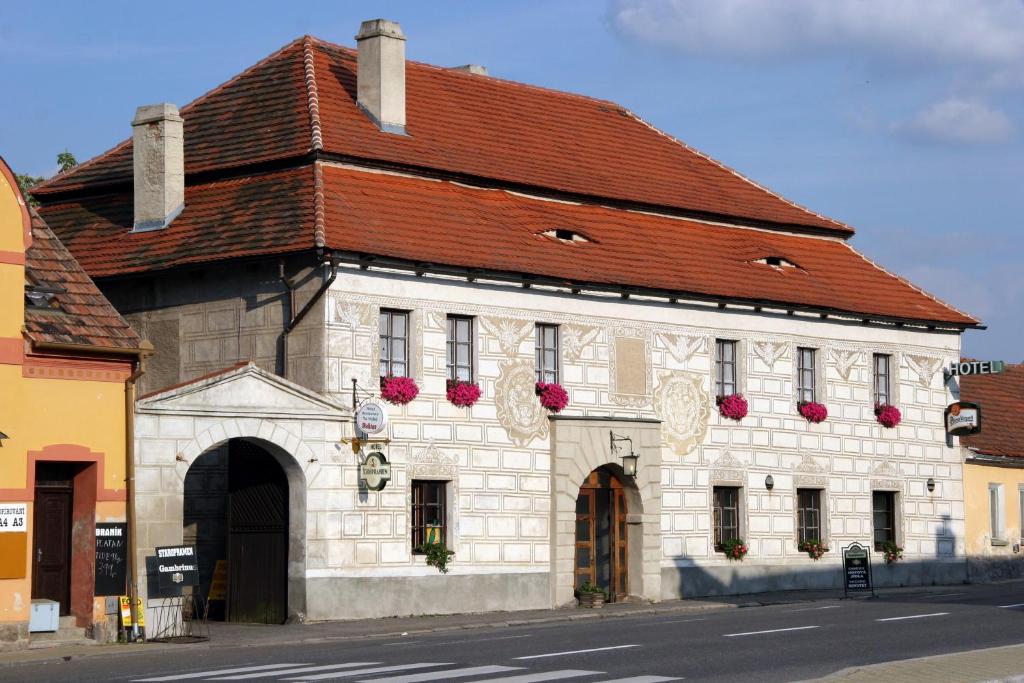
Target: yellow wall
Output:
{"points": [[976, 499]]}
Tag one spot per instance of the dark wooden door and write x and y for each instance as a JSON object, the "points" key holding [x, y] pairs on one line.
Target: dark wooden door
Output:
{"points": [[601, 541], [51, 545], [586, 571], [257, 536]]}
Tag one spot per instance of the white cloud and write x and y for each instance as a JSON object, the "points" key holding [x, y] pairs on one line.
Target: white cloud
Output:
{"points": [[984, 32], [960, 121]]}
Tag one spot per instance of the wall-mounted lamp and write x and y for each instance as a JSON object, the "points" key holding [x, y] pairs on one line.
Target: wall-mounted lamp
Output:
{"points": [[2, 437], [930, 484], [629, 459], [769, 482]]}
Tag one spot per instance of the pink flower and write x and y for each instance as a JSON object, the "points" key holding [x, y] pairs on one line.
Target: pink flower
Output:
{"points": [[398, 390], [552, 396], [733, 406], [888, 415], [813, 411], [463, 394]]}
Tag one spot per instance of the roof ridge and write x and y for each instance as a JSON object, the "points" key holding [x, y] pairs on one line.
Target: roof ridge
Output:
{"points": [[730, 169], [104, 155], [319, 213], [312, 95], [911, 284]]}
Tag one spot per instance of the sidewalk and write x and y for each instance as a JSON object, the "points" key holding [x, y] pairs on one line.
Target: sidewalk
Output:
{"points": [[993, 664]]}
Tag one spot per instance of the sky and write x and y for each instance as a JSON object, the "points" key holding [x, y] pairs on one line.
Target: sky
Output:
{"points": [[901, 118]]}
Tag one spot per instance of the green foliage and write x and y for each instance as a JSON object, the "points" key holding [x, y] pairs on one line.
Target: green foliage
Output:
{"points": [[437, 555], [27, 182], [892, 552], [588, 587], [735, 548], [67, 161], [814, 548]]}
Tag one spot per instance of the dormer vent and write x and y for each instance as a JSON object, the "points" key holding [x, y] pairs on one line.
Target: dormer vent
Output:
{"points": [[566, 235], [380, 75], [778, 262]]}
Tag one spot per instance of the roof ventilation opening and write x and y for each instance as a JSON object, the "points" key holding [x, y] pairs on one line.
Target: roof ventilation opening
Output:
{"points": [[777, 262], [566, 235]]}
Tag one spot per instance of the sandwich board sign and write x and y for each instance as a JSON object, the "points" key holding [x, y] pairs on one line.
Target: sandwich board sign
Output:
{"points": [[856, 569]]}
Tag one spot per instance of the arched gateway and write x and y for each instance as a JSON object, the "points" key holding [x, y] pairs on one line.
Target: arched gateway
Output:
{"points": [[602, 534]]}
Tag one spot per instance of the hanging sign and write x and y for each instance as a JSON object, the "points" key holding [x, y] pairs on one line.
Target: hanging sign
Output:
{"points": [[856, 568], [375, 471], [111, 558], [975, 367], [963, 418], [176, 566], [371, 417]]}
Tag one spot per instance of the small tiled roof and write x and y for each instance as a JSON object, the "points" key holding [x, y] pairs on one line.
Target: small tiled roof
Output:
{"points": [[303, 98], [79, 314], [1001, 398]]}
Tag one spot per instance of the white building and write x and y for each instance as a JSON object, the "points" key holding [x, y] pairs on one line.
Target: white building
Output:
{"points": [[347, 218]]}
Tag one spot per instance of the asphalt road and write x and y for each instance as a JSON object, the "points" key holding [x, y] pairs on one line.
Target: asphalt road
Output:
{"points": [[773, 643]]}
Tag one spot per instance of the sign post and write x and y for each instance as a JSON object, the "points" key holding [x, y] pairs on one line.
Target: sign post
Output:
{"points": [[856, 569]]}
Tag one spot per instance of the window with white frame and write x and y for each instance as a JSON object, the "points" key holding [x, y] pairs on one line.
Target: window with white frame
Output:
{"points": [[882, 378], [726, 378], [460, 348], [997, 519], [394, 343], [805, 375]]}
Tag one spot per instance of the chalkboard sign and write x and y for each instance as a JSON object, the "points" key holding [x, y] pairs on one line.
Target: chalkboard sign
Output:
{"points": [[856, 568], [111, 558], [176, 566]]}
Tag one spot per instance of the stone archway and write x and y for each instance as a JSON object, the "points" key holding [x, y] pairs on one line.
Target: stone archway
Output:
{"points": [[579, 446]]}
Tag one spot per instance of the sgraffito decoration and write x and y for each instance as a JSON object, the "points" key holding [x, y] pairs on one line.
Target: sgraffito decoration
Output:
{"points": [[727, 469], [575, 338], [515, 397], [629, 367], [924, 367], [509, 333], [682, 347], [770, 352], [351, 314], [845, 361], [683, 406], [809, 473]]}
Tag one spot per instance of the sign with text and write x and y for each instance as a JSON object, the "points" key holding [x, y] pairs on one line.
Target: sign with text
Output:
{"points": [[176, 566], [13, 518], [856, 568], [111, 558], [375, 471], [963, 418], [975, 367], [371, 417]]}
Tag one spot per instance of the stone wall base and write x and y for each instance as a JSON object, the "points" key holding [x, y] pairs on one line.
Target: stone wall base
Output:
{"points": [[989, 569], [399, 596], [740, 578], [13, 636]]}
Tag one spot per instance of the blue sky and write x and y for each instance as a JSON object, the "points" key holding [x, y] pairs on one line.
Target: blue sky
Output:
{"points": [[902, 119]]}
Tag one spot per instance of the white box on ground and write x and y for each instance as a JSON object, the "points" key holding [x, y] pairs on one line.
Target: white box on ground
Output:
{"points": [[45, 616]]}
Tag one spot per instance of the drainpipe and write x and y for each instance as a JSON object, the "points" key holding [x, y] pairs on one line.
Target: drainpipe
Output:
{"points": [[297, 317]]}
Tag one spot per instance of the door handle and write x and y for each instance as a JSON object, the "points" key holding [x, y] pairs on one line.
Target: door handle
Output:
{"points": [[39, 554]]}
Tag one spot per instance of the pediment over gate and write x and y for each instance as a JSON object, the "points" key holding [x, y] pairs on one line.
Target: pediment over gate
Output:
{"points": [[241, 390]]}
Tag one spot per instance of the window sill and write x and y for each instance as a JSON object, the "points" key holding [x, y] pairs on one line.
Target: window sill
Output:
{"points": [[1000, 542]]}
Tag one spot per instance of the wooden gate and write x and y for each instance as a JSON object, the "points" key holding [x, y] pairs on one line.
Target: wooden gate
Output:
{"points": [[601, 544], [257, 536]]}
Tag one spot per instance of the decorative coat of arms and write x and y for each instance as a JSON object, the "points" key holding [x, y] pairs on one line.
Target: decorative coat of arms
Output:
{"points": [[509, 333], [684, 407], [519, 411]]}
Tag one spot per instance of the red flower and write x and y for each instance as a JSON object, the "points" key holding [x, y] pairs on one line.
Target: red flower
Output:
{"points": [[463, 394], [813, 411], [733, 406], [888, 415], [552, 396], [398, 390]]}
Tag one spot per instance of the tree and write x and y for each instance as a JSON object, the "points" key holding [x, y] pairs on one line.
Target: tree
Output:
{"points": [[65, 160]]}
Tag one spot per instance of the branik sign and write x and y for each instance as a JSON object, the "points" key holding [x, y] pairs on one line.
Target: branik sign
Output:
{"points": [[963, 418]]}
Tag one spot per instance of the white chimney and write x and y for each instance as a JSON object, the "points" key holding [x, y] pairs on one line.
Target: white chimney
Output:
{"points": [[380, 80], [475, 69], [158, 140]]}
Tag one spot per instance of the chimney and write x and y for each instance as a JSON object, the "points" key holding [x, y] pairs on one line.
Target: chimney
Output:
{"points": [[159, 158], [380, 81], [475, 69]]}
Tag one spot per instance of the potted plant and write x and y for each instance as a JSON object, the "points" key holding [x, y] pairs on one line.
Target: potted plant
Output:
{"points": [[891, 552], [888, 415], [462, 394], [437, 555], [733, 406], [552, 396], [814, 548], [591, 596], [398, 390], [735, 549], [812, 411]]}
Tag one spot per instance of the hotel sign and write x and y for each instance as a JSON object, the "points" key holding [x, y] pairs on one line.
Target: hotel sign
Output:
{"points": [[975, 367], [375, 471], [963, 418]]}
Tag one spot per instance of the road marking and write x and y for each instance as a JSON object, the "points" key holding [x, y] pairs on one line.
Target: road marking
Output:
{"points": [[299, 670], [774, 630], [375, 670], [644, 679], [809, 609], [445, 675], [475, 640], [1016, 604], [915, 616], [538, 678], [577, 652], [937, 595], [678, 621], [220, 672]]}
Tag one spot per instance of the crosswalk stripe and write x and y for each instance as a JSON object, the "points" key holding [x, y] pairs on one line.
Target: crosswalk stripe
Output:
{"points": [[643, 679], [375, 670], [445, 675], [281, 672], [544, 676], [204, 674]]}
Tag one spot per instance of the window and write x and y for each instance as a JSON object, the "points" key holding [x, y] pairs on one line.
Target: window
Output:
{"points": [[394, 343], [882, 385], [460, 348], [805, 374], [547, 353], [726, 513], [995, 512], [884, 517], [1021, 494], [428, 513], [808, 515], [725, 367]]}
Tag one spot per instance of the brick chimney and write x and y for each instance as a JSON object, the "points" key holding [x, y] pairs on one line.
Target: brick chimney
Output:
{"points": [[380, 80], [159, 158]]}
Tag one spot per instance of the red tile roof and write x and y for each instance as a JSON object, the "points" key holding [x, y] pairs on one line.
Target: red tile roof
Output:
{"points": [[79, 314], [458, 123], [1002, 404]]}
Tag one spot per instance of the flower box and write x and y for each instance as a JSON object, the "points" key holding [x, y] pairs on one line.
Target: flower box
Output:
{"points": [[888, 416], [462, 394], [732, 407], [552, 396], [813, 411], [735, 549], [398, 390], [814, 548]]}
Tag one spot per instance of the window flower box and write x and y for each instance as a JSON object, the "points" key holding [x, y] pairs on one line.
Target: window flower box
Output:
{"points": [[733, 406], [398, 390], [462, 394], [813, 411], [892, 552], [814, 548], [888, 416], [735, 549], [552, 396]]}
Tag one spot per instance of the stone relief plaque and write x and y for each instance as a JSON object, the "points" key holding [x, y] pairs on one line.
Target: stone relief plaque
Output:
{"points": [[845, 361], [682, 347], [575, 338], [519, 411], [509, 333], [629, 371], [682, 403]]}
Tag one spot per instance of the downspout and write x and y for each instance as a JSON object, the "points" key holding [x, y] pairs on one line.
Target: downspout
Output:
{"points": [[298, 317]]}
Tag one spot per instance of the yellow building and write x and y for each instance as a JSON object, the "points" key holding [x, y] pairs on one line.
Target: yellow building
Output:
{"points": [[994, 475], [66, 361]]}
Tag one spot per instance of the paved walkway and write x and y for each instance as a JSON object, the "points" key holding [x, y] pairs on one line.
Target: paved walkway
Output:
{"points": [[994, 664]]}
